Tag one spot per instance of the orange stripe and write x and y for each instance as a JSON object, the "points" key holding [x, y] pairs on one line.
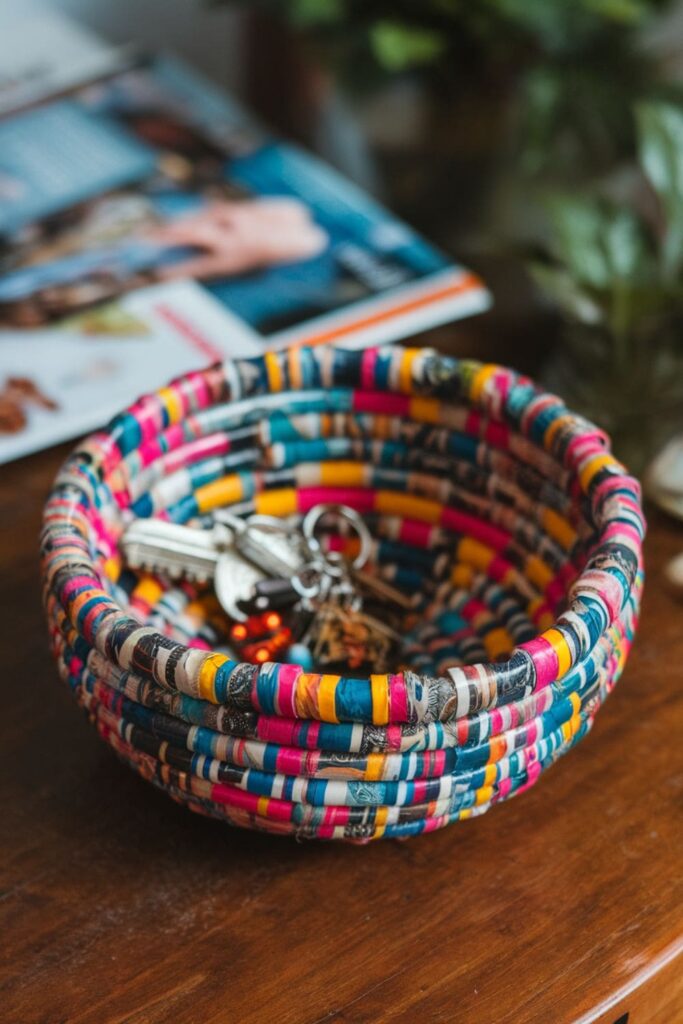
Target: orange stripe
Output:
{"points": [[467, 283]]}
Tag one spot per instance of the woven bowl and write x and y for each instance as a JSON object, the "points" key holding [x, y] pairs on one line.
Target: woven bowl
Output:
{"points": [[504, 515]]}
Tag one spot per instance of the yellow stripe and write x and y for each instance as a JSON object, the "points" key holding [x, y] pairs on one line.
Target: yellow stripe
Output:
{"points": [[207, 676], [553, 428], [294, 367], [480, 378], [381, 815], [461, 576], [558, 643], [262, 805], [426, 410], [538, 572], [490, 774], [375, 766], [172, 403], [381, 428], [594, 466], [475, 553], [483, 795], [405, 376], [306, 695], [393, 504], [342, 474], [510, 577], [274, 371], [148, 590], [380, 699], [546, 620], [498, 642], [559, 529], [220, 492], [326, 691], [112, 569], [276, 503]]}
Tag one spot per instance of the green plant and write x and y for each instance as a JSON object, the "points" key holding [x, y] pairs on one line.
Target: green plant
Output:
{"points": [[614, 268]]}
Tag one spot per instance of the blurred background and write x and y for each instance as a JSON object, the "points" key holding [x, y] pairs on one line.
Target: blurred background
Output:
{"points": [[538, 141]]}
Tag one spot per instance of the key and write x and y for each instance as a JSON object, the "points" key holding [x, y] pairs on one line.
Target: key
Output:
{"points": [[376, 587], [266, 542], [219, 555], [179, 552]]}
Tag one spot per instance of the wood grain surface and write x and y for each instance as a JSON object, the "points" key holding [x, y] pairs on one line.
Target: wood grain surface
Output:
{"points": [[565, 905]]}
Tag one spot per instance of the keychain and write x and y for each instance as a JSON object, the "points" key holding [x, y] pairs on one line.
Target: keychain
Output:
{"points": [[262, 567], [342, 633]]}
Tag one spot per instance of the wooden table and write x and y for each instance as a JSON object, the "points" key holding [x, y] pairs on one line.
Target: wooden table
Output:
{"points": [[118, 906]]}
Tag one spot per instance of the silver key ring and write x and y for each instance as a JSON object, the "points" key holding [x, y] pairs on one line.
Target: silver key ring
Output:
{"points": [[344, 512]]}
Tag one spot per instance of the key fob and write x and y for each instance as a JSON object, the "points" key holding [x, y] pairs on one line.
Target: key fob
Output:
{"points": [[235, 582]]}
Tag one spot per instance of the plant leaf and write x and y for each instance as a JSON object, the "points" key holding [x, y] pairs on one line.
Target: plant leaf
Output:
{"points": [[625, 246], [399, 47], [562, 289], [577, 226], [316, 12], [599, 244], [660, 145]]}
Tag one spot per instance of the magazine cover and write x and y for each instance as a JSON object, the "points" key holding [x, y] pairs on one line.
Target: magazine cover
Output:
{"points": [[146, 214]]}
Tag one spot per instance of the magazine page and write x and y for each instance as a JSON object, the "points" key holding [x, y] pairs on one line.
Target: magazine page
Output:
{"points": [[43, 52], [152, 177], [56, 384]]}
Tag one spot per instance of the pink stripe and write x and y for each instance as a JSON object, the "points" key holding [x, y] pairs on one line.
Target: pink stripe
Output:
{"points": [[362, 499], [498, 434], [202, 448], [496, 720], [439, 762], [149, 451], [286, 688], [462, 522], [473, 607], [620, 530], [415, 533], [271, 729], [504, 787], [432, 824], [555, 592], [367, 368], [381, 402], [398, 698], [76, 583], [394, 734], [544, 658], [290, 761], [473, 423], [499, 568]]}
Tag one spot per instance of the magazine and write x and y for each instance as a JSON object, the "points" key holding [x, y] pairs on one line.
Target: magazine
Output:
{"points": [[146, 214], [43, 53]]}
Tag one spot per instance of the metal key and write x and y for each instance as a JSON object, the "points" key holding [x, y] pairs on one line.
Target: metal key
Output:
{"points": [[236, 558], [179, 552]]}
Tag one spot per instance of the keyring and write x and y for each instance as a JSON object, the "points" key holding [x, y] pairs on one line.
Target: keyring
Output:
{"points": [[333, 559]]}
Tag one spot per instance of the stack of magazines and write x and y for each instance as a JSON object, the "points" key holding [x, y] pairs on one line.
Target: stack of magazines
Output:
{"points": [[148, 225]]}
